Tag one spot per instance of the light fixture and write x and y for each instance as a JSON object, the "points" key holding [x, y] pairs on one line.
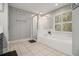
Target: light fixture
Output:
{"points": [[56, 4], [32, 15], [41, 13]]}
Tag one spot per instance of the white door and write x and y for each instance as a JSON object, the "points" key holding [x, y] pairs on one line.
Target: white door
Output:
{"points": [[75, 23]]}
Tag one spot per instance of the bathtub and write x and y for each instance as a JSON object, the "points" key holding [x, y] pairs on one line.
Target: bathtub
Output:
{"points": [[63, 43]]}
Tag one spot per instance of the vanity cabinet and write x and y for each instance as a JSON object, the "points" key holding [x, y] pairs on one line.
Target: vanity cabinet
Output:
{"points": [[1, 43]]}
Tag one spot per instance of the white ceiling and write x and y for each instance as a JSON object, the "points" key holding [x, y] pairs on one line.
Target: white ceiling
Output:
{"points": [[37, 7]]}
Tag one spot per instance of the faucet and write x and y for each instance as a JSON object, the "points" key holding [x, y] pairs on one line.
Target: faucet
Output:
{"points": [[49, 32]]}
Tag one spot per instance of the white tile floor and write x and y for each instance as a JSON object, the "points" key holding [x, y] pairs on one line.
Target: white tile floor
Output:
{"points": [[33, 49]]}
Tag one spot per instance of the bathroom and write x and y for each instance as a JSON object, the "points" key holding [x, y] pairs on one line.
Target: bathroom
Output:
{"points": [[49, 24]]}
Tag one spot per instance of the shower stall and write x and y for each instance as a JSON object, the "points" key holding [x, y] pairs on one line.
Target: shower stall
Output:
{"points": [[34, 28]]}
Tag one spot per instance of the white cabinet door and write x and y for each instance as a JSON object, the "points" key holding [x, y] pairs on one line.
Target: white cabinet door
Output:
{"points": [[75, 28]]}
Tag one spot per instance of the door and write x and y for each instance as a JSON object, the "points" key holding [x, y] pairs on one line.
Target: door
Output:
{"points": [[75, 23]]}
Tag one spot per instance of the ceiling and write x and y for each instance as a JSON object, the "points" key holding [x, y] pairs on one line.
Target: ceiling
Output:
{"points": [[41, 8]]}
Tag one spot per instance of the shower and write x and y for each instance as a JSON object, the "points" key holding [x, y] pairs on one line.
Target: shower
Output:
{"points": [[34, 29]]}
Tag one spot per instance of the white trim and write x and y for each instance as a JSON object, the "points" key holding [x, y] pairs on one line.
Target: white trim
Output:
{"points": [[21, 40]]}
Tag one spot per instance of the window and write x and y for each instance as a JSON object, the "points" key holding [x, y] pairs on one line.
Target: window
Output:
{"points": [[58, 23], [67, 16], [63, 22], [58, 19], [67, 27], [58, 27]]}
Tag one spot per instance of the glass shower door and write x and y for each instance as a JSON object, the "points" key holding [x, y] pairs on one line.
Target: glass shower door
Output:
{"points": [[34, 27]]}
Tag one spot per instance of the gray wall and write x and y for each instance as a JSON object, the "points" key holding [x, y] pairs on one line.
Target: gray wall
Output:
{"points": [[20, 22]]}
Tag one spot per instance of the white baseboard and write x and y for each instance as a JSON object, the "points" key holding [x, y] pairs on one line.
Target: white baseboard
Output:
{"points": [[21, 40]]}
